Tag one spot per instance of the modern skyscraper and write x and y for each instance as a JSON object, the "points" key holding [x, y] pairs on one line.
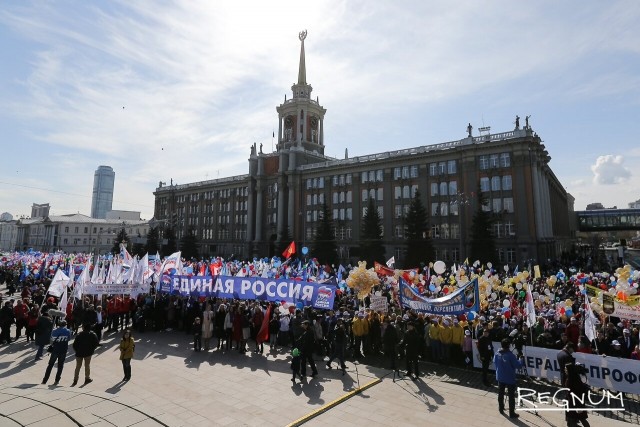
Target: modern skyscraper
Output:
{"points": [[103, 181]]}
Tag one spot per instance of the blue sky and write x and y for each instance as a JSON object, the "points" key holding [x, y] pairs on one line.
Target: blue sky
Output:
{"points": [[199, 82]]}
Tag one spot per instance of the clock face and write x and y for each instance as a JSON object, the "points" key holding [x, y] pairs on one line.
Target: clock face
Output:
{"points": [[288, 122], [314, 122]]}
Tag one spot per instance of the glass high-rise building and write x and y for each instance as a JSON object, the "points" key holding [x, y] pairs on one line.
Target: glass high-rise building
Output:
{"points": [[102, 200]]}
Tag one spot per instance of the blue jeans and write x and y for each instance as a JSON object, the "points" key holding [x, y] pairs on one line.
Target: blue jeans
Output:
{"points": [[40, 351]]}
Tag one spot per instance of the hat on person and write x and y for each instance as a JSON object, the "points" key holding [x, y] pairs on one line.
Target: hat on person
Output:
{"points": [[63, 323], [615, 342], [361, 314], [306, 322], [467, 332], [346, 314], [626, 331], [482, 319]]}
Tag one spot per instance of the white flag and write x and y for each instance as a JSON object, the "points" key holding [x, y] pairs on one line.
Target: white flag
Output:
{"points": [[173, 261], [64, 301], [59, 283], [78, 290], [589, 323], [530, 309], [391, 262]]}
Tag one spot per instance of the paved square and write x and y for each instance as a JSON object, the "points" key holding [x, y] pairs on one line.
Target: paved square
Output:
{"points": [[173, 386]]}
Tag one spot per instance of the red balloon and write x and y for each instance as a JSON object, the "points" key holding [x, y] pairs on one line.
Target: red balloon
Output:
{"points": [[507, 314], [603, 286], [590, 282]]}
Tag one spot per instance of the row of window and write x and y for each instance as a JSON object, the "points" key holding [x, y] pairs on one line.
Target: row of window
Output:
{"points": [[492, 161], [443, 168], [496, 183], [84, 241], [499, 205], [342, 180], [96, 230]]}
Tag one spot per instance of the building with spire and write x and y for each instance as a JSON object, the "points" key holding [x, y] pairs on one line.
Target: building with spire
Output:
{"points": [[281, 197]]}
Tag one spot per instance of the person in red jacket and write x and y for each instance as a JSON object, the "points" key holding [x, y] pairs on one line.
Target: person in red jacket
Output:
{"points": [[20, 312], [573, 332]]}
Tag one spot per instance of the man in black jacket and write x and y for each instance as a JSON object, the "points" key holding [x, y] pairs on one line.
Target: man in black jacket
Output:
{"points": [[565, 356], [390, 343], [339, 337], [412, 345], [84, 345], [485, 348], [6, 320], [306, 343]]}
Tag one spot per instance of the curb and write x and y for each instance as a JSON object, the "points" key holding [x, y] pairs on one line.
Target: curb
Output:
{"points": [[332, 404]]}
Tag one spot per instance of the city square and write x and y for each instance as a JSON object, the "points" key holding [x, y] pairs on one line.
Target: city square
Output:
{"points": [[173, 386]]}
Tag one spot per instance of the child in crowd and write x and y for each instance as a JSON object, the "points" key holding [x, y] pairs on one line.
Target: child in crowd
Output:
{"points": [[295, 364], [467, 349]]}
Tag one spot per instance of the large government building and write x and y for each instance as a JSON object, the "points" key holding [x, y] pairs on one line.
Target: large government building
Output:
{"points": [[282, 195]]}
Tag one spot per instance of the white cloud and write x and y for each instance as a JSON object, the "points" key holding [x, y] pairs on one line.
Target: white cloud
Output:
{"points": [[609, 170]]}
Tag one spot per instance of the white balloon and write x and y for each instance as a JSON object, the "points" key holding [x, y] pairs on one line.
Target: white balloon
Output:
{"points": [[506, 268], [506, 303], [518, 285], [439, 267], [489, 265]]}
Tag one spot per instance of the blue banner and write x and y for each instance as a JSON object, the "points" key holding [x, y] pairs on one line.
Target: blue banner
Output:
{"points": [[317, 295], [465, 299]]}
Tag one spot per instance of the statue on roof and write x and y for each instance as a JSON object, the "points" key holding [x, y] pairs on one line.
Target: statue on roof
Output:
{"points": [[302, 35], [517, 122], [526, 122], [469, 129]]}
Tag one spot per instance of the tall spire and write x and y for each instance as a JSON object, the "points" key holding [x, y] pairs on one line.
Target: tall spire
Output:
{"points": [[302, 70]]}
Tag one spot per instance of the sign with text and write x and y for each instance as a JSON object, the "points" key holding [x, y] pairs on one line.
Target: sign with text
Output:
{"points": [[317, 295]]}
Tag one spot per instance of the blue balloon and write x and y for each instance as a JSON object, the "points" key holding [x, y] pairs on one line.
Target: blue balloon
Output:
{"points": [[584, 292], [505, 309], [471, 315], [299, 305], [305, 250], [568, 312], [432, 287]]}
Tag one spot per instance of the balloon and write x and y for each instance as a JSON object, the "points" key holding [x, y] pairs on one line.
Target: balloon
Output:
{"points": [[305, 250], [523, 294], [506, 303], [518, 285], [568, 302], [507, 314], [505, 309], [432, 287], [299, 305], [439, 267], [493, 295], [568, 312], [506, 268], [471, 315], [489, 265]]}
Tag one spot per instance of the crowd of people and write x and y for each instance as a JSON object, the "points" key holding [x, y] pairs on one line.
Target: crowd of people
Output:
{"points": [[351, 330]]}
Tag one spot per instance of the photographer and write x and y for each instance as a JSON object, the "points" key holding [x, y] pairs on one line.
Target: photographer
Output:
{"points": [[506, 365], [578, 390], [519, 340]]}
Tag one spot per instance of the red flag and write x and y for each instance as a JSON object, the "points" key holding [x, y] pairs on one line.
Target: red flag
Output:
{"points": [[263, 333], [382, 269], [291, 249]]}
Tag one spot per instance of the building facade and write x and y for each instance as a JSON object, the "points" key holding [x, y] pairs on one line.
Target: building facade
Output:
{"points": [[8, 234], [40, 210], [282, 195], [102, 199], [75, 233]]}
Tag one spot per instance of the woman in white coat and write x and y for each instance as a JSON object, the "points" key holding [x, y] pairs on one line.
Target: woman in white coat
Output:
{"points": [[207, 326]]}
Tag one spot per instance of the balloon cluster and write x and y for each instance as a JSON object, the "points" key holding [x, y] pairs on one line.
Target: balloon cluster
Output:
{"points": [[361, 280]]}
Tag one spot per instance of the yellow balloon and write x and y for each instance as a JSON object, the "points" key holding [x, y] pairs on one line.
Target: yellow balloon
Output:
{"points": [[525, 274], [568, 302], [546, 299]]}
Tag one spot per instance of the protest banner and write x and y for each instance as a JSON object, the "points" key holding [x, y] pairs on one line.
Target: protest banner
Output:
{"points": [[277, 290], [463, 300], [115, 288], [379, 303], [610, 373]]}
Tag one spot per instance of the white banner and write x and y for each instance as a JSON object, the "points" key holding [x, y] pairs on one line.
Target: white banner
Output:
{"points": [[115, 289], [624, 311], [378, 303], [609, 373]]}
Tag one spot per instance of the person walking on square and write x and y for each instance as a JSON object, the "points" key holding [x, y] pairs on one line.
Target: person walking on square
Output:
{"points": [[84, 345], [207, 326], [390, 344], [59, 346], [506, 365], [197, 334], [339, 346], [412, 343], [127, 346], [44, 327], [295, 364], [485, 348], [306, 343]]}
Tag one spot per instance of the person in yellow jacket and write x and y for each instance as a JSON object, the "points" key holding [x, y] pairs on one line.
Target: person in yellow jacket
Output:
{"points": [[360, 331], [457, 338], [434, 337], [127, 346], [446, 337]]}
